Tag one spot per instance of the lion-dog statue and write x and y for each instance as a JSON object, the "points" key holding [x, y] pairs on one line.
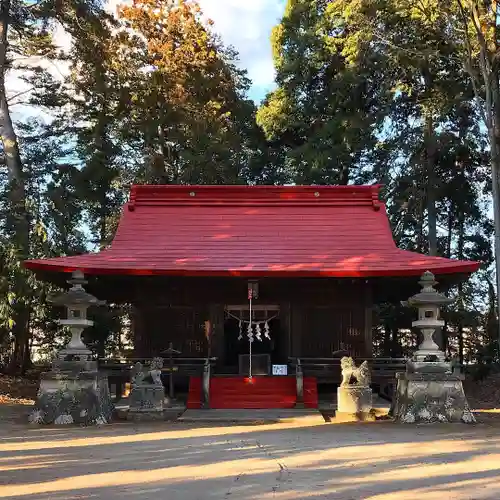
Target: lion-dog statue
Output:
{"points": [[350, 371]]}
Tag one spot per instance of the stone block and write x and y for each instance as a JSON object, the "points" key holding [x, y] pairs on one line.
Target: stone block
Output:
{"points": [[69, 398], [430, 397], [147, 397], [354, 399]]}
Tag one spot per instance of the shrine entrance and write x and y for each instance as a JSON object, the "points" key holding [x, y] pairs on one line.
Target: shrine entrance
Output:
{"points": [[263, 331]]}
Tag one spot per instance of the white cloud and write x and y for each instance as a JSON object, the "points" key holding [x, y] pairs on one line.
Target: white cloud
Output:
{"points": [[244, 25], [19, 91], [247, 25]]}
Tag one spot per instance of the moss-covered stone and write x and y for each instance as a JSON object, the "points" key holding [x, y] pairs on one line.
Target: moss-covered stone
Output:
{"points": [[66, 400], [430, 397]]}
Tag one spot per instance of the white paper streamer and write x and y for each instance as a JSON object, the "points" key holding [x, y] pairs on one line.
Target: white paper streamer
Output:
{"points": [[250, 333], [258, 332], [266, 331]]}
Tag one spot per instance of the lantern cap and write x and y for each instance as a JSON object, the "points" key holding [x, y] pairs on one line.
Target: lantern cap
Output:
{"points": [[76, 295], [428, 296]]}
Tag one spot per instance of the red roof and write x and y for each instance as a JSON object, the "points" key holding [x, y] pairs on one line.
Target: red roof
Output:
{"points": [[309, 231]]}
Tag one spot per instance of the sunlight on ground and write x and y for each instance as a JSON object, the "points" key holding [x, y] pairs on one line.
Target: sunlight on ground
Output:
{"points": [[140, 438], [284, 461]]}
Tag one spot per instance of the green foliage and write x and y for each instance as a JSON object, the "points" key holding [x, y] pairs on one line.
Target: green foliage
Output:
{"points": [[328, 105], [366, 91], [189, 121]]}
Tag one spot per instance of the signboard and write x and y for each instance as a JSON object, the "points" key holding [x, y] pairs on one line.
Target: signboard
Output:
{"points": [[280, 370]]}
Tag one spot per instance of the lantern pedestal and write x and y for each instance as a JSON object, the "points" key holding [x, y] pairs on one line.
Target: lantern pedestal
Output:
{"points": [[430, 397], [73, 391], [73, 397]]}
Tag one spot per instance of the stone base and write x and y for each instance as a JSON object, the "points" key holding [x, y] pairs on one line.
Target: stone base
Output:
{"points": [[171, 413], [354, 399], [145, 415], [428, 367], [430, 397], [355, 417], [72, 398], [147, 398]]}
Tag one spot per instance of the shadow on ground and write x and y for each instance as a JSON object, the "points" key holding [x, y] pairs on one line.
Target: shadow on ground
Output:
{"points": [[380, 460]]}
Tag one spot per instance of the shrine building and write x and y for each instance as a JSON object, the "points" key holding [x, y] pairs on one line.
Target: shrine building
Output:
{"points": [[313, 260]]}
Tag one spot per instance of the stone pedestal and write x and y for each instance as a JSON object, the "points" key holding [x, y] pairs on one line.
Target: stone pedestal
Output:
{"points": [[354, 402], [430, 397], [73, 397], [147, 402]]}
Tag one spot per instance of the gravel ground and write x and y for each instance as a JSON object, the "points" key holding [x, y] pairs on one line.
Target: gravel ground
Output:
{"points": [[379, 460]]}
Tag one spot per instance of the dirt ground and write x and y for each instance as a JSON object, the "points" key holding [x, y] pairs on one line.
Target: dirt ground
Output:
{"points": [[173, 461], [376, 461]]}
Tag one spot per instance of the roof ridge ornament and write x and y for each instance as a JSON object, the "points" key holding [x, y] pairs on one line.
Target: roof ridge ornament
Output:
{"points": [[377, 204]]}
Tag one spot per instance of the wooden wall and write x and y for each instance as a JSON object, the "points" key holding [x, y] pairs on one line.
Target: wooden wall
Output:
{"points": [[317, 316]]}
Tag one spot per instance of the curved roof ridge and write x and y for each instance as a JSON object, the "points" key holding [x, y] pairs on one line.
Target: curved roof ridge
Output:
{"points": [[169, 194], [255, 231]]}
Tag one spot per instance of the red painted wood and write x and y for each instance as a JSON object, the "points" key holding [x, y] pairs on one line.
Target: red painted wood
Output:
{"points": [[194, 395], [260, 393], [340, 231]]}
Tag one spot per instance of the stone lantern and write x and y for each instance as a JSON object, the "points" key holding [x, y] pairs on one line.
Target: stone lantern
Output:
{"points": [[77, 301], [428, 302], [74, 391], [428, 391]]}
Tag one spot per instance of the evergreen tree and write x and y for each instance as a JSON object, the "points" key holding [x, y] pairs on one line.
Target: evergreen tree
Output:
{"points": [[328, 106], [188, 118]]}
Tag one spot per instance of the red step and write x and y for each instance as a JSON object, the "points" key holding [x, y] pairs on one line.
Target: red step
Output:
{"points": [[194, 395], [260, 392]]}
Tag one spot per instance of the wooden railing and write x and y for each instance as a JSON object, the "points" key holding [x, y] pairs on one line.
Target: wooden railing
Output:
{"points": [[325, 370], [119, 370], [328, 371]]}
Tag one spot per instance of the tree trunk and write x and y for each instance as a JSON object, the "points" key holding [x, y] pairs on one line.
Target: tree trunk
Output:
{"points": [[461, 305], [396, 350], [387, 348], [430, 161], [494, 134], [344, 177], [449, 237], [17, 198]]}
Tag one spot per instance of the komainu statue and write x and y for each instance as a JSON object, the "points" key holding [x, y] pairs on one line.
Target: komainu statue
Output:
{"points": [[152, 376], [147, 397], [353, 375]]}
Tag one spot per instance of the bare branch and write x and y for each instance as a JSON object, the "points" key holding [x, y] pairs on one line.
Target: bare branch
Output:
{"points": [[468, 63], [19, 94]]}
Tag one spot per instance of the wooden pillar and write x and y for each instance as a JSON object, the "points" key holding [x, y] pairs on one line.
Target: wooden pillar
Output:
{"points": [[286, 331], [216, 313], [138, 327], [368, 320], [296, 322]]}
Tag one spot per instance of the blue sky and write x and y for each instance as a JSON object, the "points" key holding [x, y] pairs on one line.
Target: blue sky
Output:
{"points": [[247, 25], [244, 24]]}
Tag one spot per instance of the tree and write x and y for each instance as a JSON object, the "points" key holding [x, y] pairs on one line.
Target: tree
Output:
{"points": [[26, 30], [19, 33], [189, 120], [476, 26], [329, 105]]}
